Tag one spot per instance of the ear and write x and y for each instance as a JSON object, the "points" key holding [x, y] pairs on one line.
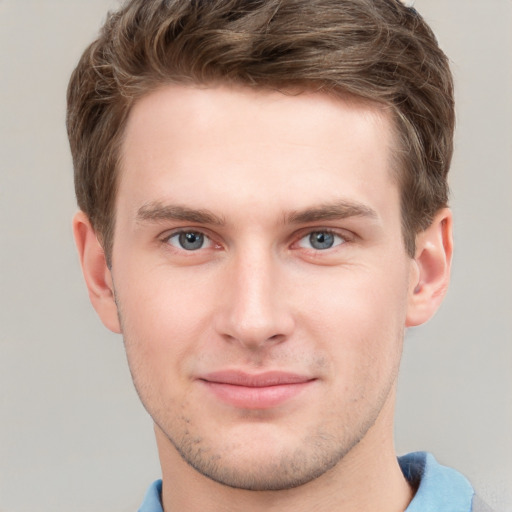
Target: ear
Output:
{"points": [[434, 248], [96, 272]]}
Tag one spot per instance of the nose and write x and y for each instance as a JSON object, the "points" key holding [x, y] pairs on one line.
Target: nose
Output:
{"points": [[255, 309]]}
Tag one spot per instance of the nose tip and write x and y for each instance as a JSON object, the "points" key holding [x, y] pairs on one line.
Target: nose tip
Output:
{"points": [[254, 333], [255, 311]]}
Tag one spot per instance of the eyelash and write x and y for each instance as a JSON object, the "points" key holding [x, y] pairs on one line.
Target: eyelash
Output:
{"points": [[177, 234], [343, 237]]}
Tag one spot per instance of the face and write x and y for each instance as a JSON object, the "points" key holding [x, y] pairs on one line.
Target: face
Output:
{"points": [[261, 278]]}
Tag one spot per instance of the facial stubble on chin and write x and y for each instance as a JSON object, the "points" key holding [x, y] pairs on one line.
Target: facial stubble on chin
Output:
{"points": [[315, 455], [318, 452]]}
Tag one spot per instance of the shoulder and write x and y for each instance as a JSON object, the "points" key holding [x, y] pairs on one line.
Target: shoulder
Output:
{"points": [[152, 500], [439, 488]]}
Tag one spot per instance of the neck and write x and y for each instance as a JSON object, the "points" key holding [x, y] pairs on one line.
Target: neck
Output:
{"points": [[367, 478]]}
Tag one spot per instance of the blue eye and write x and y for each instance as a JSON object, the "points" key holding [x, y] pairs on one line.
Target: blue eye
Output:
{"points": [[321, 240], [189, 240]]}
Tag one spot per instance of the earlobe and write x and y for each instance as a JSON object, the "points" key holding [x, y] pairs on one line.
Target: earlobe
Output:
{"points": [[96, 272], [434, 248]]}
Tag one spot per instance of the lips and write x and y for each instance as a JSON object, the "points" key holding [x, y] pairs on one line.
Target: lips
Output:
{"points": [[255, 391]]}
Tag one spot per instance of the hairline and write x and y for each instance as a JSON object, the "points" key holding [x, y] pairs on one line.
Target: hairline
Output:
{"points": [[386, 109]]}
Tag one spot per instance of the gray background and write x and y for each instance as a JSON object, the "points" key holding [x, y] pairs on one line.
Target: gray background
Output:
{"points": [[73, 436]]}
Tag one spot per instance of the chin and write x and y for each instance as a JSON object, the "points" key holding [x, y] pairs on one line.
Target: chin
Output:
{"points": [[264, 463]]}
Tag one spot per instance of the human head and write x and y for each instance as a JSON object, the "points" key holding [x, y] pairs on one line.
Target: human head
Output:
{"points": [[378, 50], [263, 311]]}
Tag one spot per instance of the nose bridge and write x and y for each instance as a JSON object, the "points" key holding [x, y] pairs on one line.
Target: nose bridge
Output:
{"points": [[256, 310]]}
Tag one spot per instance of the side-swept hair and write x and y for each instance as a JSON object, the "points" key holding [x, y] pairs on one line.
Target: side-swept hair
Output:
{"points": [[377, 50]]}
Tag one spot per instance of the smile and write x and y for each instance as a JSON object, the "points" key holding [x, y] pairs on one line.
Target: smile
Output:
{"points": [[260, 391]]}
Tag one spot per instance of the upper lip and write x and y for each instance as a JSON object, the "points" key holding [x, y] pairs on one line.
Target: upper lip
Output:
{"points": [[255, 380]]}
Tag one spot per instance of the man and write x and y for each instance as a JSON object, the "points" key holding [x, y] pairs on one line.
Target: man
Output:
{"points": [[263, 200]]}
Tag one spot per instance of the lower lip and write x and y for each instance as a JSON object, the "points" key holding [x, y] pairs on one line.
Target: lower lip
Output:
{"points": [[245, 397]]}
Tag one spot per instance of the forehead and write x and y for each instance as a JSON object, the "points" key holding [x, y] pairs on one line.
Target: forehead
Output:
{"points": [[286, 112], [241, 145]]}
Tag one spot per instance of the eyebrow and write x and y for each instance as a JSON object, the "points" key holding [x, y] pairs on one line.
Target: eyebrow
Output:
{"points": [[334, 211], [156, 211]]}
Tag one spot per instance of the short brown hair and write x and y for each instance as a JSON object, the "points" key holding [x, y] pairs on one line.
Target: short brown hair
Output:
{"points": [[378, 50]]}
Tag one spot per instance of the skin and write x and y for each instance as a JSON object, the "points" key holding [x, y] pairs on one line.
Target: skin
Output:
{"points": [[250, 176]]}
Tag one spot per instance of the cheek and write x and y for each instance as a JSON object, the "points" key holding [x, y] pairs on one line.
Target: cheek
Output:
{"points": [[162, 318], [356, 299], [359, 319], [162, 302]]}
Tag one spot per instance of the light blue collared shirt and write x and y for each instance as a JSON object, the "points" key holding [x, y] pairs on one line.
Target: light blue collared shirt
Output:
{"points": [[440, 489]]}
